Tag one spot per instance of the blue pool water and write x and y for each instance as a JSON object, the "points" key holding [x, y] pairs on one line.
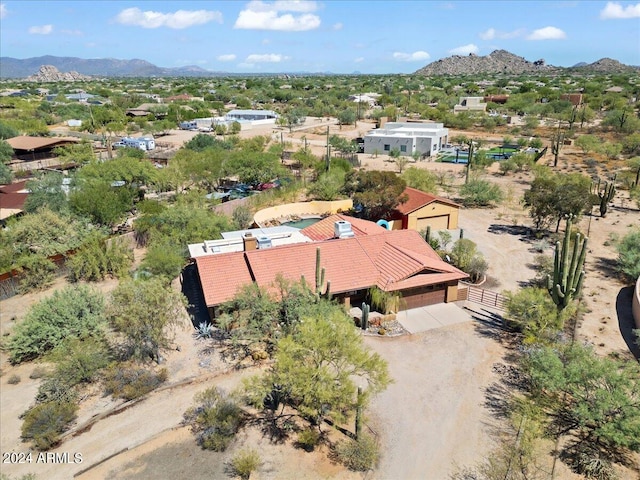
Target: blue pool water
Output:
{"points": [[305, 222]]}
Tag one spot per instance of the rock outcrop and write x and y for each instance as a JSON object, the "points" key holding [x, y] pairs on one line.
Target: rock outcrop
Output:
{"points": [[49, 73]]}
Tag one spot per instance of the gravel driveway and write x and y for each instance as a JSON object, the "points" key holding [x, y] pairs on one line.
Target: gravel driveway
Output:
{"points": [[433, 417]]}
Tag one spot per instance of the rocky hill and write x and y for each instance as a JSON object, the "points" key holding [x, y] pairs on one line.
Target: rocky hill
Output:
{"points": [[97, 67], [501, 61], [49, 73], [498, 61]]}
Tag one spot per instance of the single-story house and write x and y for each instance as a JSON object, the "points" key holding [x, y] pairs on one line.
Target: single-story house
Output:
{"points": [[12, 198], [422, 210], [407, 138], [470, 104], [36, 148], [394, 261], [254, 116]]}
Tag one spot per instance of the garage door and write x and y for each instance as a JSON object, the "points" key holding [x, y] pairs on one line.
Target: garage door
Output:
{"points": [[424, 298], [440, 222]]}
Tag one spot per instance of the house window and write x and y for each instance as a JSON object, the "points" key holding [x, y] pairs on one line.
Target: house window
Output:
{"points": [[387, 147], [403, 148]]}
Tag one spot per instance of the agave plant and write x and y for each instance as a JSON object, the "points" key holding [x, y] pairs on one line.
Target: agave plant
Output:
{"points": [[204, 330]]}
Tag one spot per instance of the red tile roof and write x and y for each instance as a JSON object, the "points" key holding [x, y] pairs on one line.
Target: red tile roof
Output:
{"points": [[418, 199], [324, 229], [392, 260]]}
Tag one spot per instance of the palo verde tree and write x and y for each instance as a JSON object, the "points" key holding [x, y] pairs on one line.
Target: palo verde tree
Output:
{"points": [[568, 273], [378, 193], [316, 366], [144, 311]]}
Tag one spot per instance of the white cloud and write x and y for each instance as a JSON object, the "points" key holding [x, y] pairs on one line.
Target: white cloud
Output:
{"points": [[41, 29], [3, 10], [614, 10], [259, 15], [265, 58], [359, 60], [338, 26], [492, 33], [464, 49], [411, 57], [226, 58], [176, 20], [547, 33]]}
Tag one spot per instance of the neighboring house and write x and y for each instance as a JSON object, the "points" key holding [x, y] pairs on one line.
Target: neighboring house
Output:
{"points": [[28, 148], [146, 109], [394, 261], [470, 104], [422, 210], [82, 97], [408, 138], [12, 198], [371, 99], [254, 116], [501, 99]]}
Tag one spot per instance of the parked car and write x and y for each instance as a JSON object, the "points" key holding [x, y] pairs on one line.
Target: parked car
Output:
{"points": [[266, 186]]}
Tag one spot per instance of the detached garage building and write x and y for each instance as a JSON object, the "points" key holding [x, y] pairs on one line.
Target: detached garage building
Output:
{"points": [[423, 210]]}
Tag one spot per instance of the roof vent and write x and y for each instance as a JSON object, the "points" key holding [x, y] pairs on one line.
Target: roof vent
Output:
{"points": [[342, 229], [264, 242]]}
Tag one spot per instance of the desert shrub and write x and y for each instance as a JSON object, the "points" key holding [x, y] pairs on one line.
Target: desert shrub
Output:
{"points": [[533, 312], [55, 389], [75, 311], [629, 254], [480, 193], [587, 461], [477, 267], [163, 259], [386, 302], [128, 382], [79, 360], [308, 439], [327, 186], [359, 455], [242, 217], [215, 419], [37, 373], [44, 423], [13, 379], [245, 462], [37, 273], [98, 258]]}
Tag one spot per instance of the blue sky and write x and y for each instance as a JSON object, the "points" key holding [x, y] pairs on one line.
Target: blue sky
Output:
{"points": [[340, 36]]}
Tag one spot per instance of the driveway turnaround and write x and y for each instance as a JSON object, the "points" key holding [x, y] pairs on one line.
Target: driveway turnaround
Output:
{"points": [[421, 319]]}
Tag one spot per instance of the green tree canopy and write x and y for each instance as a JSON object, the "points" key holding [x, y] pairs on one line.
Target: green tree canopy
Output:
{"points": [[376, 192], [46, 192], [318, 367], [144, 311]]}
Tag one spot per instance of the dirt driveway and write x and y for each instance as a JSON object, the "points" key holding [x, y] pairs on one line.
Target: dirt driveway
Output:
{"points": [[433, 416]]}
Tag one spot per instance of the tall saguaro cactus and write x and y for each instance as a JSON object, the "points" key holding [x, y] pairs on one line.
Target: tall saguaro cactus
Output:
{"points": [[557, 142], [321, 289], [568, 272], [605, 194]]}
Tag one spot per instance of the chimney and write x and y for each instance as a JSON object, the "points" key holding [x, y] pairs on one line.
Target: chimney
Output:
{"points": [[250, 242], [342, 229]]}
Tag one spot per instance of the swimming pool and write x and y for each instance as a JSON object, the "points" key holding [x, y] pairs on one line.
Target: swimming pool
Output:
{"points": [[302, 223]]}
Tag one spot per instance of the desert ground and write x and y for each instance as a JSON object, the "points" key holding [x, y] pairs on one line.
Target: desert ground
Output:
{"points": [[434, 418]]}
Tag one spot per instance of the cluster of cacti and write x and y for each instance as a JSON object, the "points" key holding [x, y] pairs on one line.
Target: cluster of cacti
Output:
{"points": [[568, 273], [321, 290], [364, 322], [605, 194]]}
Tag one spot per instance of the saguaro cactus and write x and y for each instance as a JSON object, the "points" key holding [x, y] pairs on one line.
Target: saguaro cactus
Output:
{"points": [[557, 142], [568, 273], [359, 413], [321, 290], [427, 235], [605, 195]]}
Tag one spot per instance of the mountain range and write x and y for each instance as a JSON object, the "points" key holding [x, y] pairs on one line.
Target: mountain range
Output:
{"points": [[502, 61], [498, 61]]}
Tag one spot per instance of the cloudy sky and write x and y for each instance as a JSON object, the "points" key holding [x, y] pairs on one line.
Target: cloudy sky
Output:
{"points": [[340, 36]]}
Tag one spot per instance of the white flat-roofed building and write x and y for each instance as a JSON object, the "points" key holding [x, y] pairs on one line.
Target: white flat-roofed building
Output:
{"points": [[254, 116], [236, 241], [424, 138]]}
